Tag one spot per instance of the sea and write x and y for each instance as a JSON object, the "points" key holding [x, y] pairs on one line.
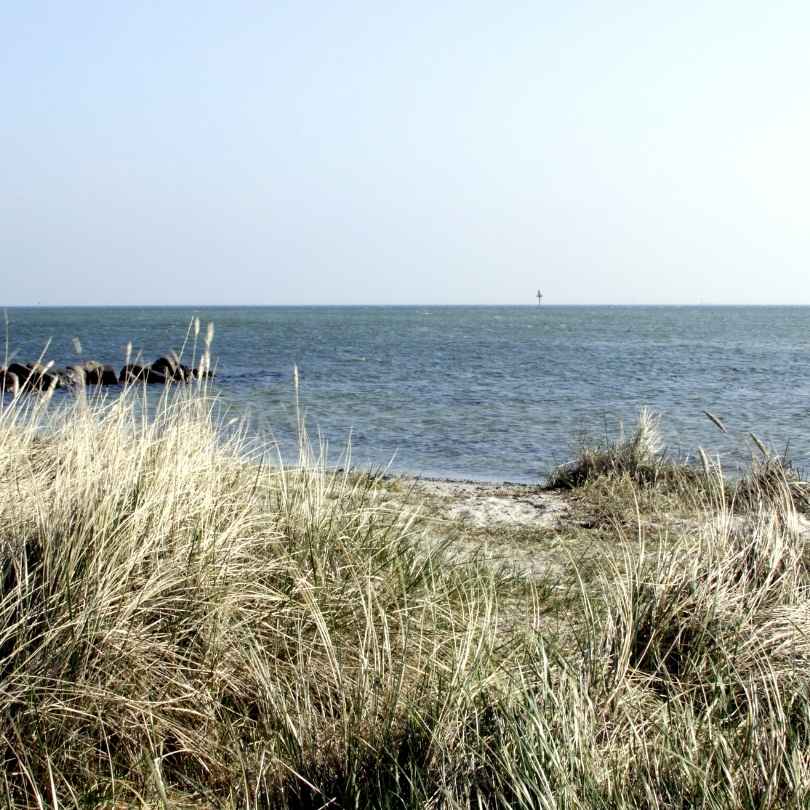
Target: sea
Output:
{"points": [[486, 393]]}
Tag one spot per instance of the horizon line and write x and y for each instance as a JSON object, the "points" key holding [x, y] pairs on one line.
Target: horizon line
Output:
{"points": [[395, 306]]}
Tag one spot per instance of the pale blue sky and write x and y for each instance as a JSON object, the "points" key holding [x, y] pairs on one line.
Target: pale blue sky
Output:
{"points": [[456, 152]]}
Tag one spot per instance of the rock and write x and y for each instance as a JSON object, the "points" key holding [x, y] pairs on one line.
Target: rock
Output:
{"points": [[98, 374], [184, 373], [167, 365], [43, 378], [165, 369], [32, 376], [153, 376], [10, 382], [20, 371], [131, 373], [92, 373], [108, 376], [136, 373], [35, 375], [172, 369], [64, 377], [47, 380]]}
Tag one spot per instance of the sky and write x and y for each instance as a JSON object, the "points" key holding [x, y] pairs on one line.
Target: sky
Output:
{"points": [[398, 153]]}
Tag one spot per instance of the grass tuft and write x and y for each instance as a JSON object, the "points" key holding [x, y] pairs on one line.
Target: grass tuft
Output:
{"points": [[638, 458]]}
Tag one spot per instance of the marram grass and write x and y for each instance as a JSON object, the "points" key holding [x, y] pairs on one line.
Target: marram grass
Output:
{"points": [[183, 625]]}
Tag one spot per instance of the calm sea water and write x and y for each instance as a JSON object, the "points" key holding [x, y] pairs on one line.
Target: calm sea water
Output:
{"points": [[489, 393]]}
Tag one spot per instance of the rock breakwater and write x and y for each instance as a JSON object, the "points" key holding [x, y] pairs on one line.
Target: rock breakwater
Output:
{"points": [[37, 376]]}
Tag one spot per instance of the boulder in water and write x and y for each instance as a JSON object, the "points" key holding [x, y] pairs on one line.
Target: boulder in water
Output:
{"points": [[137, 373], [167, 364], [9, 381], [47, 380], [184, 373], [92, 373], [132, 372], [20, 371], [108, 376], [154, 377], [30, 376], [61, 375]]}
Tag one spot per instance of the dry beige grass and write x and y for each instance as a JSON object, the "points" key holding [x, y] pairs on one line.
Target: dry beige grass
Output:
{"points": [[182, 624]]}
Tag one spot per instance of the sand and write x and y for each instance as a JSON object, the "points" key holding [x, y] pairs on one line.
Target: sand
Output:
{"points": [[483, 505]]}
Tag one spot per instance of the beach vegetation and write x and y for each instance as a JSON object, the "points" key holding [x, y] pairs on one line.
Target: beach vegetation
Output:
{"points": [[615, 479], [186, 621], [638, 456]]}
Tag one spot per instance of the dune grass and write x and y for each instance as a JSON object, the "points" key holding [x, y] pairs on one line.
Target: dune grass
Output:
{"points": [[182, 624], [620, 475], [638, 457]]}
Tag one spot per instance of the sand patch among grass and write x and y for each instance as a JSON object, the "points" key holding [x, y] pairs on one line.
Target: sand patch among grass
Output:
{"points": [[481, 505]]}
